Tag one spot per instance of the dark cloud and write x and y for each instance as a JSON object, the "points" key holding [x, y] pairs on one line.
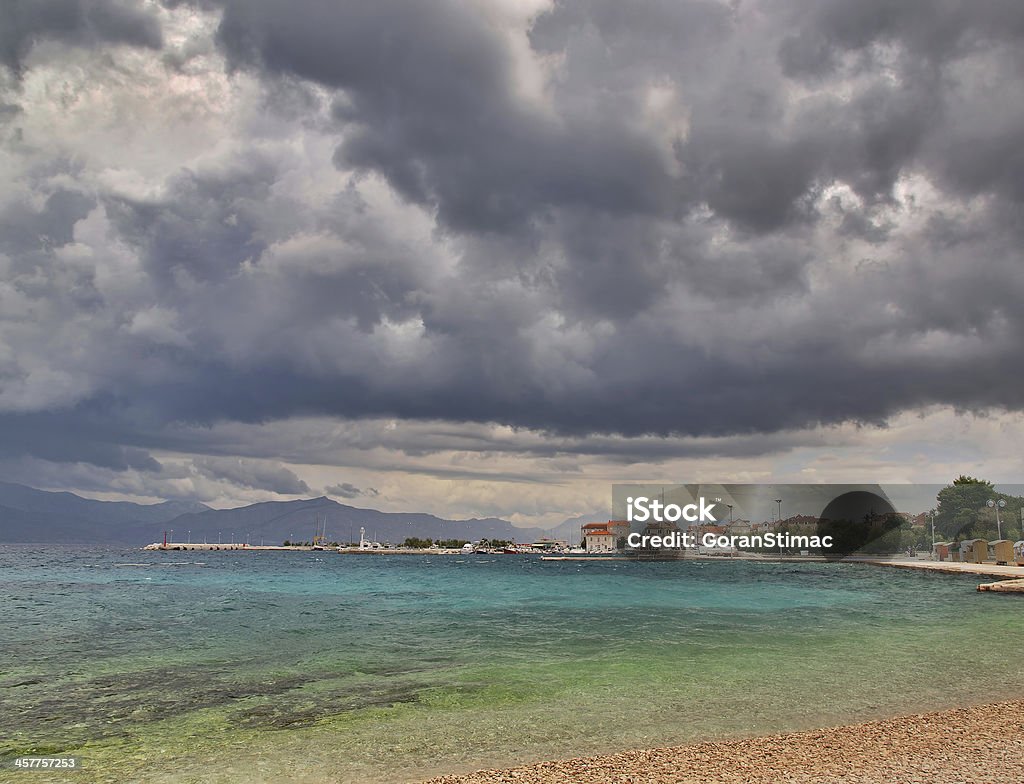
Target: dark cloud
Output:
{"points": [[75, 436], [823, 31], [671, 218], [205, 225], [428, 101], [347, 490], [25, 229], [88, 23], [255, 474]]}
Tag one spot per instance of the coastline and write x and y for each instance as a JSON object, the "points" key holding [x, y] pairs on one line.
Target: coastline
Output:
{"points": [[978, 743]]}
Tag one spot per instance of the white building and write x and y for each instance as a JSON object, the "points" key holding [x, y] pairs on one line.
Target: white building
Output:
{"points": [[598, 540]]}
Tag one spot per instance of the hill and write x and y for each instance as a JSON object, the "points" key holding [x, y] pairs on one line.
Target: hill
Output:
{"points": [[31, 515], [274, 521]]}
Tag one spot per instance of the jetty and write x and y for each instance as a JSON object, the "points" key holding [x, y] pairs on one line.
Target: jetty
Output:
{"points": [[948, 567], [224, 546], [1003, 586], [1013, 575], [401, 551], [304, 548]]}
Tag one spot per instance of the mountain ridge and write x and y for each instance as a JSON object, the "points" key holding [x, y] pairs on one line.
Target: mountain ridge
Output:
{"points": [[30, 515]]}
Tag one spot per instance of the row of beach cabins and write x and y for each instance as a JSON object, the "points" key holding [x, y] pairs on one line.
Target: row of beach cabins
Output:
{"points": [[1002, 551]]}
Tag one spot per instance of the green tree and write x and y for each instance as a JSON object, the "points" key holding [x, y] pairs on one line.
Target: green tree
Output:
{"points": [[961, 507], [415, 543]]}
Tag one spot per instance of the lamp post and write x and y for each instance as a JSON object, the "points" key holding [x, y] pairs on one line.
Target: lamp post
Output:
{"points": [[730, 513], [997, 505], [190, 536], [779, 502]]}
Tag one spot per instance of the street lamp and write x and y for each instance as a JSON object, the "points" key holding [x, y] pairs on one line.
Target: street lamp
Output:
{"points": [[730, 513], [779, 502], [997, 505], [190, 536]]}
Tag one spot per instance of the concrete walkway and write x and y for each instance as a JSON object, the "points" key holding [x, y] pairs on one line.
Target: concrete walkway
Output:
{"points": [[949, 567]]}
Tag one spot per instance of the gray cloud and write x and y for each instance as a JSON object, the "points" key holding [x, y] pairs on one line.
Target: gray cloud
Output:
{"points": [[428, 101], [76, 436], [255, 474], [88, 23], [348, 490], [681, 219], [206, 225]]}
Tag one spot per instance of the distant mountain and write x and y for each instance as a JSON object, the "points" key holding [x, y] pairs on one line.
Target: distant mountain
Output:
{"points": [[30, 515], [275, 521]]}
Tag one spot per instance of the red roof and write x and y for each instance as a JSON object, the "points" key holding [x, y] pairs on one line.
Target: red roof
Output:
{"points": [[599, 533]]}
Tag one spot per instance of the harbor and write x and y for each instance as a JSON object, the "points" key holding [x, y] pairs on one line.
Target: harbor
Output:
{"points": [[298, 548]]}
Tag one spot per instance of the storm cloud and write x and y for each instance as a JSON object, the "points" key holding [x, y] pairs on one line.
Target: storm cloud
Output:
{"points": [[251, 473], [81, 23], [687, 219]]}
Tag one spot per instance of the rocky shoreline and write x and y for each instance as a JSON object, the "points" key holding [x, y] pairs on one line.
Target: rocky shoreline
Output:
{"points": [[981, 744]]}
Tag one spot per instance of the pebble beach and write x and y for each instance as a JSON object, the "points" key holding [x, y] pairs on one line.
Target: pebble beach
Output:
{"points": [[982, 744]]}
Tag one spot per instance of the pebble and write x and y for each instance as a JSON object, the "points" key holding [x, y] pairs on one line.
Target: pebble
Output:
{"points": [[981, 743]]}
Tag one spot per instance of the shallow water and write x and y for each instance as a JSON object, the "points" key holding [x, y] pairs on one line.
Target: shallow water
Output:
{"points": [[276, 666]]}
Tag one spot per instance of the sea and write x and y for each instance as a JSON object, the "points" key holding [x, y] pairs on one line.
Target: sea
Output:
{"points": [[265, 666]]}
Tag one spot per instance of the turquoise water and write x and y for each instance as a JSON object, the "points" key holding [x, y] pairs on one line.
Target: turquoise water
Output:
{"points": [[274, 666]]}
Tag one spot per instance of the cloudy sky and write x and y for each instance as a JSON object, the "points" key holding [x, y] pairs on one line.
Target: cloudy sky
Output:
{"points": [[487, 257]]}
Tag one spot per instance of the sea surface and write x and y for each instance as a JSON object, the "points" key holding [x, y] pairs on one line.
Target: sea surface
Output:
{"points": [[316, 666]]}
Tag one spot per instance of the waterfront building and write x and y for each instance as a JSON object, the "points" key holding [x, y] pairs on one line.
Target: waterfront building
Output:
{"points": [[598, 540]]}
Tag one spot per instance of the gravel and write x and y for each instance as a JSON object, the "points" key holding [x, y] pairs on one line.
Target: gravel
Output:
{"points": [[983, 744]]}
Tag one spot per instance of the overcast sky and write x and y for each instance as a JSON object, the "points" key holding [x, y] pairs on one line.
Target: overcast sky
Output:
{"points": [[481, 258]]}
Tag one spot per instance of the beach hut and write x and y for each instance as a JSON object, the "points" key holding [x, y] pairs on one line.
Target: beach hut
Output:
{"points": [[940, 551], [1018, 552], [1002, 551], [973, 550]]}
